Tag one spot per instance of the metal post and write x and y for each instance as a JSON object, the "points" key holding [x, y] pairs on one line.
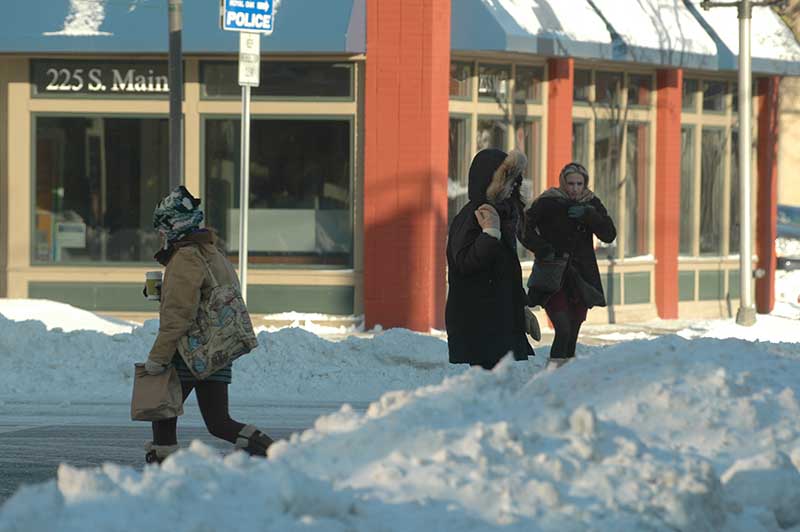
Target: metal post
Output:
{"points": [[746, 314], [175, 93], [244, 187]]}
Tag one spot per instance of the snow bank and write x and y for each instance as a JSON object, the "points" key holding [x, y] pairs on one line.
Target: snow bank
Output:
{"points": [[290, 364], [666, 434]]}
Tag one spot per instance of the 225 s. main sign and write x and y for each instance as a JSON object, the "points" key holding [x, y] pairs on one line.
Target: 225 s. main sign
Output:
{"points": [[144, 79]]}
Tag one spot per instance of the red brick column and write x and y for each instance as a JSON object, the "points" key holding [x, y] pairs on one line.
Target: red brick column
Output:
{"points": [[668, 190], [405, 162], [767, 206], [559, 116]]}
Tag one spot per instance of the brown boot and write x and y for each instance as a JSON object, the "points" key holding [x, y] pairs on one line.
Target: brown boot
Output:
{"points": [[253, 441]]}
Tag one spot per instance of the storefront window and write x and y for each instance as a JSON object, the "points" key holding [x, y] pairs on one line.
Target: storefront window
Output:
{"points": [[300, 190], [307, 79], [689, 94], [711, 181], [493, 82], [636, 194], [607, 143], [734, 240], [580, 142], [529, 140], [639, 89], [608, 87], [97, 182], [582, 85], [457, 175], [460, 79], [528, 83], [491, 133], [687, 191], [714, 96]]}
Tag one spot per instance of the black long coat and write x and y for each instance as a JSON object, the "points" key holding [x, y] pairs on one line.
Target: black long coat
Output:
{"points": [[548, 226], [485, 301]]}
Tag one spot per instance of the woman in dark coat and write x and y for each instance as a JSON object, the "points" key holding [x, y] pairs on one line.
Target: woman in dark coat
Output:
{"points": [[486, 301], [561, 223]]}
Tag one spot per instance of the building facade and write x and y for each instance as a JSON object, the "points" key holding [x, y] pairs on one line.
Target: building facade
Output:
{"points": [[363, 127]]}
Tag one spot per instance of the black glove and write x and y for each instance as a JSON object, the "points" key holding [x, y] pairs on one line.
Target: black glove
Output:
{"points": [[580, 212]]}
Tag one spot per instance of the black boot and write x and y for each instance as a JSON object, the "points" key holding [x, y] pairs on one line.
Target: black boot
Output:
{"points": [[253, 441], [155, 454]]}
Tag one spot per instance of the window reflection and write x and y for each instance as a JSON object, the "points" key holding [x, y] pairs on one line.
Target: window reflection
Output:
{"points": [[608, 87], [714, 96], [636, 193], [491, 133], [580, 142], [639, 89], [687, 191], [527, 84], [581, 85], [711, 176], [281, 79], [607, 160], [493, 82], [734, 240], [689, 94], [460, 79], [457, 173], [97, 182], [300, 196]]}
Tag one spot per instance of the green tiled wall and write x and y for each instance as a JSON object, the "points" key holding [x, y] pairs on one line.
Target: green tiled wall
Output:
{"points": [[262, 299], [637, 287], [733, 284], [686, 286], [711, 285]]}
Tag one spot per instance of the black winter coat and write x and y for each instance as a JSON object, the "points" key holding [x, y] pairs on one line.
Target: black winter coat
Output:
{"points": [[485, 302], [547, 226]]}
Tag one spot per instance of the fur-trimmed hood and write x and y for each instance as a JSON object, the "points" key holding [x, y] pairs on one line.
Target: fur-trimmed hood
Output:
{"points": [[491, 170]]}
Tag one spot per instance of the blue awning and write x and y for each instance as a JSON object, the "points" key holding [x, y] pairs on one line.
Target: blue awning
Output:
{"points": [[140, 26], [658, 32]]}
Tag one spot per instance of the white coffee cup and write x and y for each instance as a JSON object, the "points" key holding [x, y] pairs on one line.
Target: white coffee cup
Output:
{"points": [[152, 283]]}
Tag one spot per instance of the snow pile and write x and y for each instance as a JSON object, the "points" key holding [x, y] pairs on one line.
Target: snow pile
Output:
{"points": [[787, 247], [56, 315], [84, 19], [667, 434], [289, 364]]}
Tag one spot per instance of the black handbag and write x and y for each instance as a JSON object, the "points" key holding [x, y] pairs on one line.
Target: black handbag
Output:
{"points": [[547, 274]]}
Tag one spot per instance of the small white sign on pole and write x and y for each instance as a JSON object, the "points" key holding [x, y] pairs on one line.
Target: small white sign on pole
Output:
{"points": [[249, 59]]}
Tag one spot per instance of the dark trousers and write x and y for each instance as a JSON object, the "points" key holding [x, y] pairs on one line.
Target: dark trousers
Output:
{"points": [[567, 328], [212, 397]]}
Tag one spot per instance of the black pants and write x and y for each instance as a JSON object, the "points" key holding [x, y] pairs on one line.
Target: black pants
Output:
{"points": [[212, 397], [567, 329]]}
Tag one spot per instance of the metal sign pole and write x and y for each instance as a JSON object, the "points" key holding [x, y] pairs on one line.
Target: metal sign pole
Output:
{"points": [[746, 314], [175, 68], [244, 189]]}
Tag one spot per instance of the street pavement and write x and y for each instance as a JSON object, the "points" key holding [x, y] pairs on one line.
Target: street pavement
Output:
{"points": [[38, 438]]}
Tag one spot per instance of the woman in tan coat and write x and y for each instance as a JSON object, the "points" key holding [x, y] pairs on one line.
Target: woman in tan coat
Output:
{"points": [[186, 282]]}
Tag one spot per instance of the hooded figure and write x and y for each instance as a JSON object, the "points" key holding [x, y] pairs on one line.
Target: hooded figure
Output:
{"points": [[561, 222], [190, 256], [485, 301]]}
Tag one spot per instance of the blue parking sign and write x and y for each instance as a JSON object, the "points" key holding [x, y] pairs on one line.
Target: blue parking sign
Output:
{"points": [[254, 16]]}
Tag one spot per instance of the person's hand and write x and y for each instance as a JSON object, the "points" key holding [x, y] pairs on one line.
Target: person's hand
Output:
{"points": [[154, 368], [487, 217], [579, 212]]}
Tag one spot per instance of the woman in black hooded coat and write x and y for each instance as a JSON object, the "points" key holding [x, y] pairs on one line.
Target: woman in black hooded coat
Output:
{"points": [[486, 301], [561, 224]]}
